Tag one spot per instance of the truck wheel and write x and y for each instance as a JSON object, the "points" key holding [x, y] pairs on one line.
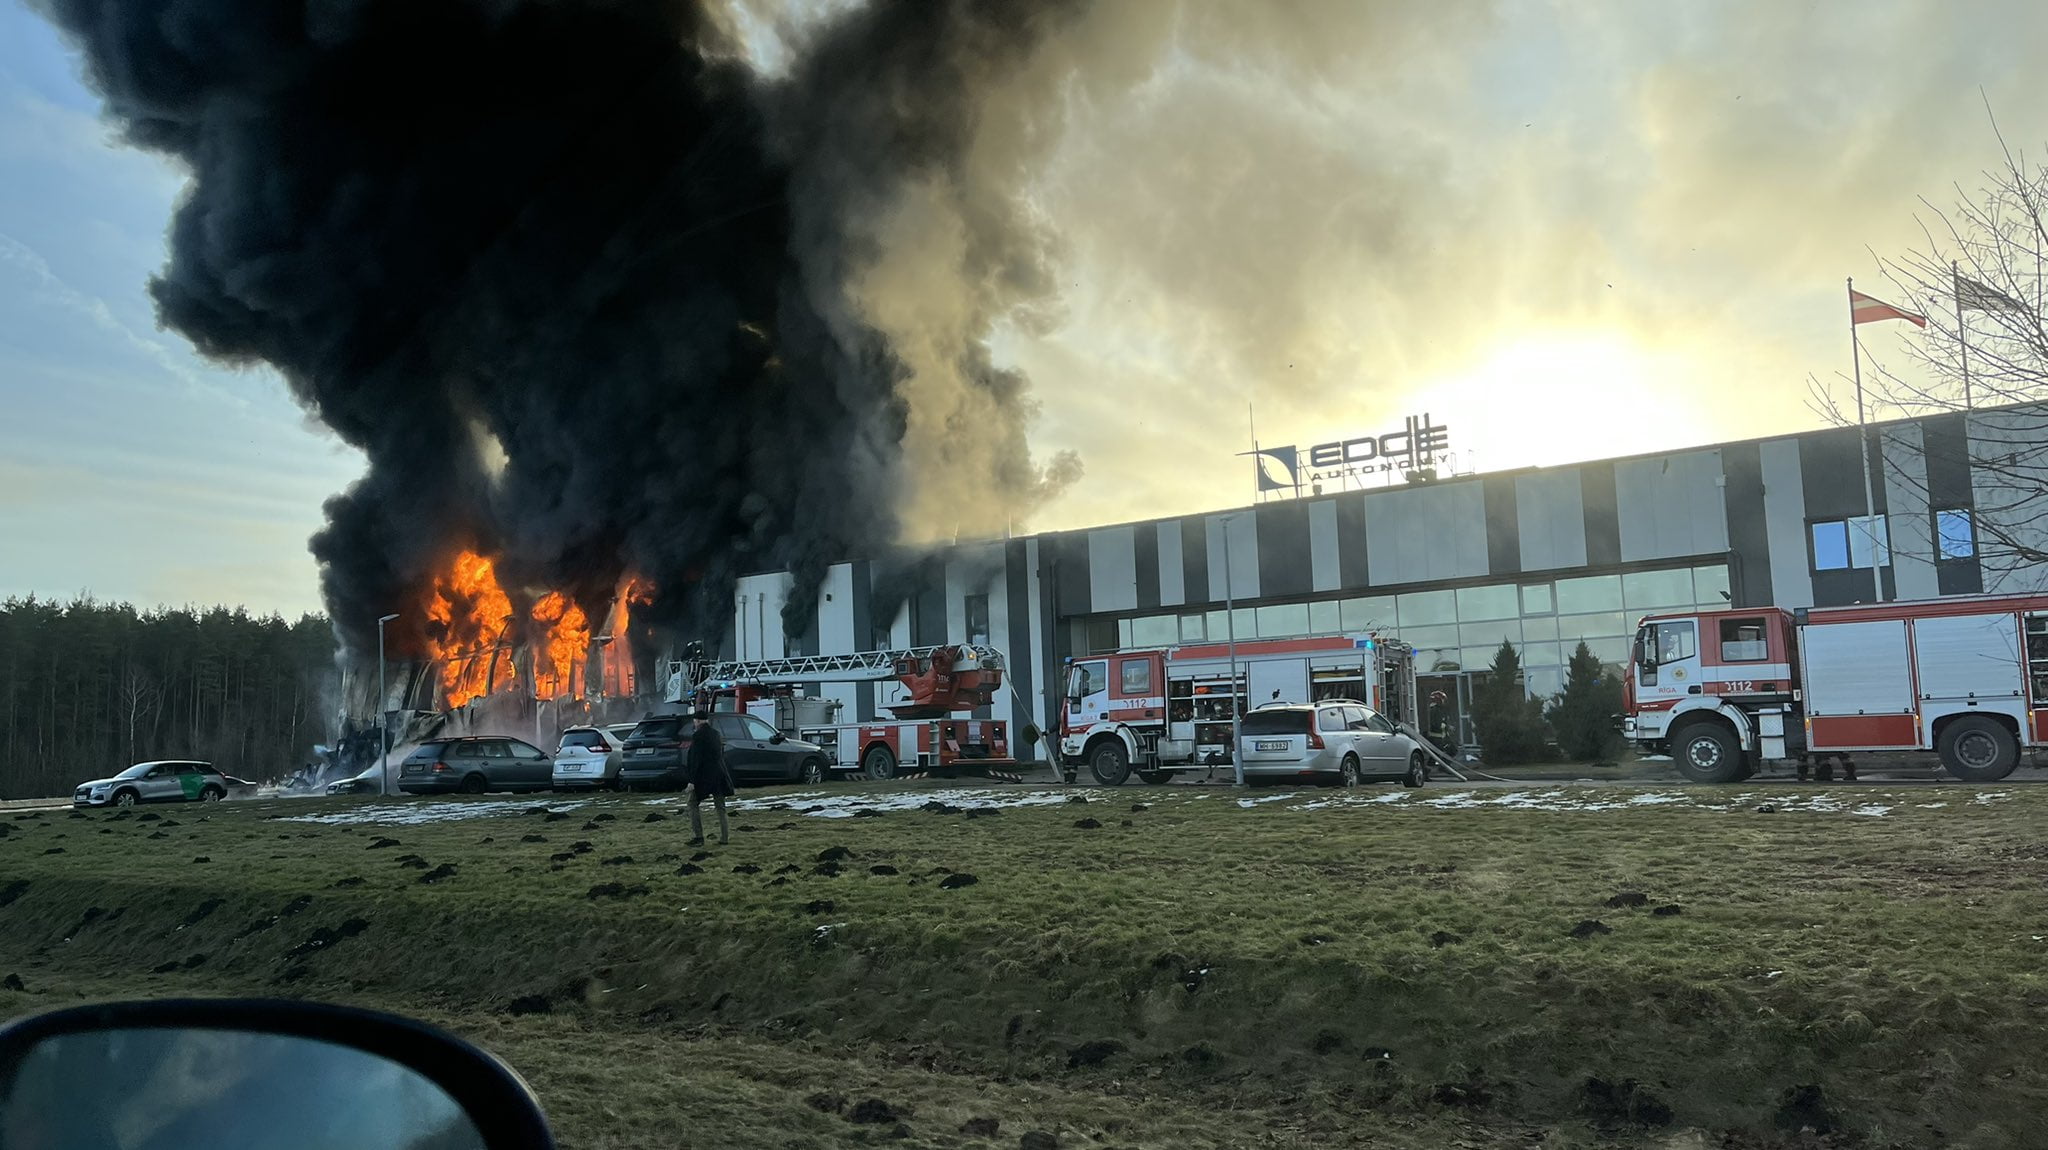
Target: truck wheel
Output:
{"points": [[1418, 771], [879, 762], [1978, 749], [1348, 773], [1707, 753], [1155, 778], [1109, 763]]}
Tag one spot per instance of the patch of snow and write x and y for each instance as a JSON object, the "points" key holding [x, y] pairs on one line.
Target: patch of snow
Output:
{"points": [[1654, 798], [1932, 806], [1250, 803], [425, 811], [843, 804], [1990, 797]]}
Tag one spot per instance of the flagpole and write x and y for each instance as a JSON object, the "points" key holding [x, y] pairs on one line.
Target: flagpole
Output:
{"points": [[1962, 334], [1863, 440]]}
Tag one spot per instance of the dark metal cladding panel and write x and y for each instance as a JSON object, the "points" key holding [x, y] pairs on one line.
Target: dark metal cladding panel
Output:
{"points": [[1352, 571], [1145, 556], [1285, 568], [1503, 527], [1603, 516], [1749, 538], [1194, 558]]}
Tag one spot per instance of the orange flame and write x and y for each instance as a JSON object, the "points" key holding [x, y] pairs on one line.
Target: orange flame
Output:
{"points": [[558, 662], [471, 643], [618, 653]]}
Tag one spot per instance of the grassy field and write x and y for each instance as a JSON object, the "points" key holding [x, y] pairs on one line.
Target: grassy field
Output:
{"points": [[1548, 967]]}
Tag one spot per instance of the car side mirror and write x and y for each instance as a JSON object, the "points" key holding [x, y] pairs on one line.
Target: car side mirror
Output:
{"points": [[778, 737], [242, 1074]]}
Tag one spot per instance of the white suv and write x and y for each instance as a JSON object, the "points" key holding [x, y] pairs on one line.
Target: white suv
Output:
{"points": [[1336, 738], [589, 757]]}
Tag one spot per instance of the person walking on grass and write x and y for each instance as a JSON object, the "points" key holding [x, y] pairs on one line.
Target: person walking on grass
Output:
{"points": [[708, 776]]}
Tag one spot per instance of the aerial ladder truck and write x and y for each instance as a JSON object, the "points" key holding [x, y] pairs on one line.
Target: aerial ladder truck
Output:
{"points": [[923, 733]]}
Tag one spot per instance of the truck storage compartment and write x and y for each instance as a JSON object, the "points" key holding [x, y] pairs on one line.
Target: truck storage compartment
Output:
{"points": [[1859, 686]]}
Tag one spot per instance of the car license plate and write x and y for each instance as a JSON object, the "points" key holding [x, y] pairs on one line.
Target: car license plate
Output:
{"points": [[1272, 744], [644, 751]]}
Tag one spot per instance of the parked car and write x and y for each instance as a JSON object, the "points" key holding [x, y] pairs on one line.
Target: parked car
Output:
{"points": [[161, 781], [473, 764], [370, 782], [590, 757], [758, 753], [656, 751], [1333, 739]]}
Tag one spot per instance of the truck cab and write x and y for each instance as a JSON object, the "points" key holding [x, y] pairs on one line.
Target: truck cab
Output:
{"points": [[1714, 689]]}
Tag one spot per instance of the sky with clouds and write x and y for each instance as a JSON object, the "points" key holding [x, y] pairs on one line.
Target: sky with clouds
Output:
{"points": [[1566, 230]]}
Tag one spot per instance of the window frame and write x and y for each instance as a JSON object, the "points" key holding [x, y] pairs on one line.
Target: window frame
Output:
{"points": [[1764, 638], [1813, 527], [1969, 518], [1123, 675]]}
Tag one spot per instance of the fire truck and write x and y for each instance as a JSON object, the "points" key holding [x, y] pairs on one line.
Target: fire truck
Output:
{"points": [[1169, 709], [1723, 692], [921, 736]]}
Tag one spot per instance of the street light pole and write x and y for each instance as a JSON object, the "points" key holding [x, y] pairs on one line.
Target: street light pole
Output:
{"points": [[383, 721], [1230, 631]]}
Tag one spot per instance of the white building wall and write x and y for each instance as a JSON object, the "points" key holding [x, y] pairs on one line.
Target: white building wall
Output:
{"points": [[1173, 584], [1909, 522], [1431, 531], [1113, 569], [1785, 523], [1671, 506], [1322, 546], [2008, 454], [1550, 514], [1244, 555]]}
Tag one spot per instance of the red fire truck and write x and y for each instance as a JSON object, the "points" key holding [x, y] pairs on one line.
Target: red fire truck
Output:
{"points": [[922, 735], [1723, 692], [1169, 709]]}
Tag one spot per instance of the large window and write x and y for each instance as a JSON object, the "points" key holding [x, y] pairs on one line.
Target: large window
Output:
{"points": [[1839, 544], [977, 619], [1425, 608], [1649, 590], [1376, 614], [1955, 534], [1283, 620], [1476, 604], [1155, 631], [1589, 593]]}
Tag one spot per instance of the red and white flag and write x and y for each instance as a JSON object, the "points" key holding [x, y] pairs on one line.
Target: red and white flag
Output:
{"points": [[1870, 309]]}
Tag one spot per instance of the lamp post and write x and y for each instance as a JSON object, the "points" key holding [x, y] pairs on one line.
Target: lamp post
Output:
{"points": [[383, 721], [1230, 631]]}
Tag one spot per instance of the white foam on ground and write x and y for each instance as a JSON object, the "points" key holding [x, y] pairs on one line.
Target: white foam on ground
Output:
{"points": [[427, 811], [843, 804]]}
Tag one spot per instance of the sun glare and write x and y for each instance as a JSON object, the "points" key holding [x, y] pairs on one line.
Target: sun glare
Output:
{"points": [[1557, 398]]}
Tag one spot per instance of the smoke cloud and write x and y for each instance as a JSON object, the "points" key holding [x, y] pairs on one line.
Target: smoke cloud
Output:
{"points": [[591, 294]]}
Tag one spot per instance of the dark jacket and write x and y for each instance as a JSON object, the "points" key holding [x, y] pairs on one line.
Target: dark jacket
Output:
{"points": [[706, 763]]}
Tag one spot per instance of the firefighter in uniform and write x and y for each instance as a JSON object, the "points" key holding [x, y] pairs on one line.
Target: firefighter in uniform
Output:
{"points": [[1439, 729]]}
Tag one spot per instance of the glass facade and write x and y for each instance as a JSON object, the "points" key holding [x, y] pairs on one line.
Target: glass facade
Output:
{"points": [[1459, 630]]}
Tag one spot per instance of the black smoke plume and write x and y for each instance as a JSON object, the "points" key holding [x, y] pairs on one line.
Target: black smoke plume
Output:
{"points": [[572, 275]]}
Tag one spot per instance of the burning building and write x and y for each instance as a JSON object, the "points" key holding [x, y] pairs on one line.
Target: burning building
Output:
{"points": [[614, 315]]}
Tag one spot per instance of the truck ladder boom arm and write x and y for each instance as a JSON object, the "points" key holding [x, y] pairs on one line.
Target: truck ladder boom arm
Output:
{"points": [[859, 667]]}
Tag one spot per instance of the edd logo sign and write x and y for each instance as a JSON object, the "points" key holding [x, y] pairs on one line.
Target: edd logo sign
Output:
{"points": [[1416, 445]]}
